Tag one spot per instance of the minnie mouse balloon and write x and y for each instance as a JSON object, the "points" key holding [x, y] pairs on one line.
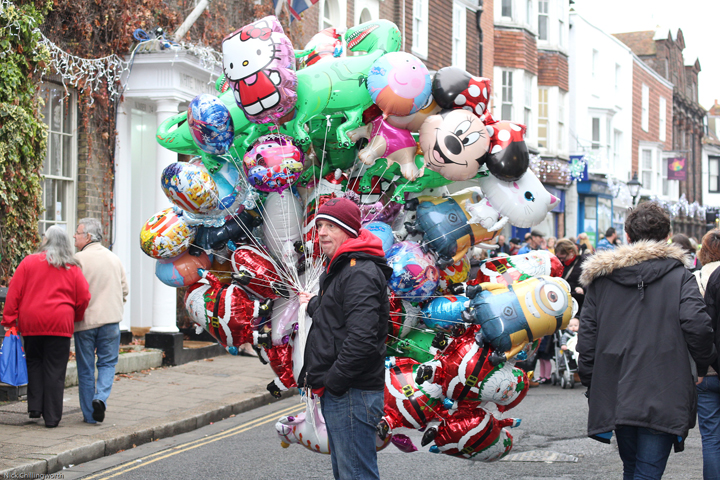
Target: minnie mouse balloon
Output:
{"points": [[455, 88], [509, 157], [210, 123], [273, 163], [258, 61], [399, 83]]}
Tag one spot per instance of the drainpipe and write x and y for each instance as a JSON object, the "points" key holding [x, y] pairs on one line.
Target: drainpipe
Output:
{"points": [[478, 16], [190, 20]]}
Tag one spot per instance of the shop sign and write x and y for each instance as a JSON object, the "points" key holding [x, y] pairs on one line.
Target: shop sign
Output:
{"points": [[677, 169]]}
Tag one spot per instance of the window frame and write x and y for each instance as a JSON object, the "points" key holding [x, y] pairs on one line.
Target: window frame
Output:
{"points": [[644, 169], [543, 15], [459, 35], [506, 5], [561, 121], [716, 161], [420, 28], [543, 117], [662, 119], [70, 182], [645, 108], [506, 90], [596, 140], [527, 104]]}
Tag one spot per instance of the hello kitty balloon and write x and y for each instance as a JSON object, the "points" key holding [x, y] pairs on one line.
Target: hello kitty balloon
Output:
{"points": [[523, 203], [259, 64]]}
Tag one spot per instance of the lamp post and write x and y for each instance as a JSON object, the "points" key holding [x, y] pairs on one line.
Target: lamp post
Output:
{"points": [[634, 186]]}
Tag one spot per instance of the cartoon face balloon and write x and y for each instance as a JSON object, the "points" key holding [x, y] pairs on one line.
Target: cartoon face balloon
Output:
{"points": [[210, 123], [258, 61], [454, 144], [414, 276], [166, 235], [273, 163], [399, 83], [517, 268]]}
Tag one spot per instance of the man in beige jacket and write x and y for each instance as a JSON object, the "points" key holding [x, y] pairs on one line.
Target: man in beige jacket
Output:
{"points": [[100, 329]]}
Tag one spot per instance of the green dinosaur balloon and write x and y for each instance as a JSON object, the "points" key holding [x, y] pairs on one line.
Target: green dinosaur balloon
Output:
{"points": [[417, 345], [324, 89]]}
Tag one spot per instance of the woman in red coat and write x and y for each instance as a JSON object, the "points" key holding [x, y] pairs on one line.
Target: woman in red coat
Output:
{"points": [[47, 295]]}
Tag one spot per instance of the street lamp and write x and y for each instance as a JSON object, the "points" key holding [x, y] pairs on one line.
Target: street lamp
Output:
{"points": [[634, 186]]}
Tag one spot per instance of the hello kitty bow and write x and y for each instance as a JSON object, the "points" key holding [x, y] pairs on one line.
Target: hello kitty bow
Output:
{"points": [[251, 31]]}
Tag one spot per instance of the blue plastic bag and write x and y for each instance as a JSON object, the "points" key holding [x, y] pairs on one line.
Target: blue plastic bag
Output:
{"points": [[13, 368]]}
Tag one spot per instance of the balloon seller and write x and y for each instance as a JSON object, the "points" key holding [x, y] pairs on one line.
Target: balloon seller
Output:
{"points": [[345, 354]]}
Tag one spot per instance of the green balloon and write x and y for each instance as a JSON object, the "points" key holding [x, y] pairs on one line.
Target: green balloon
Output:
{"points": [[417, 345]]}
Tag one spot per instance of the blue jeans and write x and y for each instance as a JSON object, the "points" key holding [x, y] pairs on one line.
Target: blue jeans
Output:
{"points": [[106, 340], [709, 422], [644, 452], [351, 420]]}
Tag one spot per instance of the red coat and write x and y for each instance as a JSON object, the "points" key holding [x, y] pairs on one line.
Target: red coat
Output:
{"points": [[45, 300]]}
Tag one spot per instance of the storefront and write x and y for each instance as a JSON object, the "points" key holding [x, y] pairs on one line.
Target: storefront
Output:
{"points": [[595, 209]]}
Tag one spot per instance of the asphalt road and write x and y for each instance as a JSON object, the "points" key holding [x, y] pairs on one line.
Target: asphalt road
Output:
{"points": [[552, 436]]}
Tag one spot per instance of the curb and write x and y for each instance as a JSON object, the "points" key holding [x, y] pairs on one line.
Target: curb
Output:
{"points": [[52, 463]]}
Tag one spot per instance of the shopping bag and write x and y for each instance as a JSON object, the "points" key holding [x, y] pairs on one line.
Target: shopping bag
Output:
{"points": [[13, 368]]}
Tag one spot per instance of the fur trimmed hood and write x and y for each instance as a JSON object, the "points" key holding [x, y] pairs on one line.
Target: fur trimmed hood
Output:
{"points": [[603, 264]]}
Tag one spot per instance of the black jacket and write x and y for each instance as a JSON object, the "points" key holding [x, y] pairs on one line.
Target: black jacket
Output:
{"points": [[571, 274], [643, 312], [346, 344], [712, 302]]}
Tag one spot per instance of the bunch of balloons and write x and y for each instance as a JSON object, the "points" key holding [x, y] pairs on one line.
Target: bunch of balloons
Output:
{"points": [[290, 130]]}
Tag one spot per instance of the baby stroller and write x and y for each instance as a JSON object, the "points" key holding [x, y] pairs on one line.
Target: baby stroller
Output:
{"points": [[565, 362]]}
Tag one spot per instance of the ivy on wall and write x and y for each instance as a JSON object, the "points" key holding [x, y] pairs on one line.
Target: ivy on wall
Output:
{"points": [[23, 135]]}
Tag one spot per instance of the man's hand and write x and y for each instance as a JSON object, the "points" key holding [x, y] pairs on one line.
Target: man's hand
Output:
{"points": [[305, 297], [563, 347], [699, 380], [579, 290]]}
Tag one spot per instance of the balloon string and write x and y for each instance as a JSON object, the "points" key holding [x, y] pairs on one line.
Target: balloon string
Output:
{"points": [[421, 318], [411, 346]]}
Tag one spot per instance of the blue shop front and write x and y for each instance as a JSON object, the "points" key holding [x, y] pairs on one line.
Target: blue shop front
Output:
{"points": [[595, 209]]}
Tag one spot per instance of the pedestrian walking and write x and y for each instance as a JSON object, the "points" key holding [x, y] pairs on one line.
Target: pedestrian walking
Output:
{"points": [[607, 243], [643, 313], [684, 242], [567, 252], [46, 296], [345, 351], [99, 332], [708, 388], [535, 241], [502, 247]]}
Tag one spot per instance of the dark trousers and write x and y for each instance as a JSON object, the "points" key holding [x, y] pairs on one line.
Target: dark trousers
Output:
{"points": [[47, 359]]}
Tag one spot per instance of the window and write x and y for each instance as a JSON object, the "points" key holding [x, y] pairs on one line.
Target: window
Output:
{"points": [[459, 35], [59, 170], [617, 78], [617, 147], [596, 133], [659, 183], [645, 108], [527, 110], [561, 120], [595, 60], [662, 119], [507, 95], [327, 20], [543, 19], [365, 16], [507, 8], [646, 168], [543, 117], [714, 168], [420, 27], [664, 173], [528, 12], [561, 32]]}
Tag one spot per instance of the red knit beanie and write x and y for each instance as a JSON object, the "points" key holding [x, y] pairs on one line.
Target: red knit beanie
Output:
{"points": [[342, 212]]}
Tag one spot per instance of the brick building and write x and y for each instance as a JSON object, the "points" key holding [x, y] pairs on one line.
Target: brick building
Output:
{"points": [[531, 84], [711, 159], [662, 51]]}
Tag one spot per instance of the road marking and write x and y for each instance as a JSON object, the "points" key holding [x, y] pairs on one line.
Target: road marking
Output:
{"points": [[194, 444]]}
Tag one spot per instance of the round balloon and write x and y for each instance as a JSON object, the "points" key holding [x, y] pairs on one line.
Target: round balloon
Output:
{"points": [[166, 235], [181, 271], [383, 231], [190, 188], [415, 276], [259, 63], [399, 83], [273, 163], [210, 124]]}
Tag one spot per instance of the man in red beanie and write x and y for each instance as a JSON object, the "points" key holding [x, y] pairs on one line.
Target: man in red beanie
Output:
{"points": [[345, 350]]}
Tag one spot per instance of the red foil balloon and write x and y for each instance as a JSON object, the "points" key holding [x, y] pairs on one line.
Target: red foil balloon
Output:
{"points": [[516, 268], [257, 268], [473, 433], [224, 311], [280, 358], [463, 367], [406, 403], [403, 318], [506, 386]]}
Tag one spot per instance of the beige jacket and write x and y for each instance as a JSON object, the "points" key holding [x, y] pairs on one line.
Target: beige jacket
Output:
{"points": [[108, 286]]}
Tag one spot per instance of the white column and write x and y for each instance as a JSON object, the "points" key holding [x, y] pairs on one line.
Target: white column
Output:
{"points": [[164, 303], [122, 243]]}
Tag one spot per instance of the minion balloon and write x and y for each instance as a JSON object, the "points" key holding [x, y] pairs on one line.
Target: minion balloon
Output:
{"points": [[512, 316]]}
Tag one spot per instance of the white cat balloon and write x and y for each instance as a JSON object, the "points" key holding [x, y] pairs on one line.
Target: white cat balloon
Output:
{"points": [[524, 203]]}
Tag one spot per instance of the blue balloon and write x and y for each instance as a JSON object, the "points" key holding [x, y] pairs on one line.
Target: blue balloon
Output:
{"points": [[443, 313], [415, 276], [383, 231], [211, 125]]}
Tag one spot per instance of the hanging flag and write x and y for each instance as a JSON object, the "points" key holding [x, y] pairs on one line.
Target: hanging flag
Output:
{"points": [[296, 7]]}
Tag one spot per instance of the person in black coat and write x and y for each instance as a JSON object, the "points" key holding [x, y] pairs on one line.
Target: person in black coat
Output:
{"points": [[344, 360], [643, 324], [567, 252]]}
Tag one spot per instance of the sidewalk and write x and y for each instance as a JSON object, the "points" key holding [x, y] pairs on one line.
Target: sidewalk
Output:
{"points": [[144, 406]]}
